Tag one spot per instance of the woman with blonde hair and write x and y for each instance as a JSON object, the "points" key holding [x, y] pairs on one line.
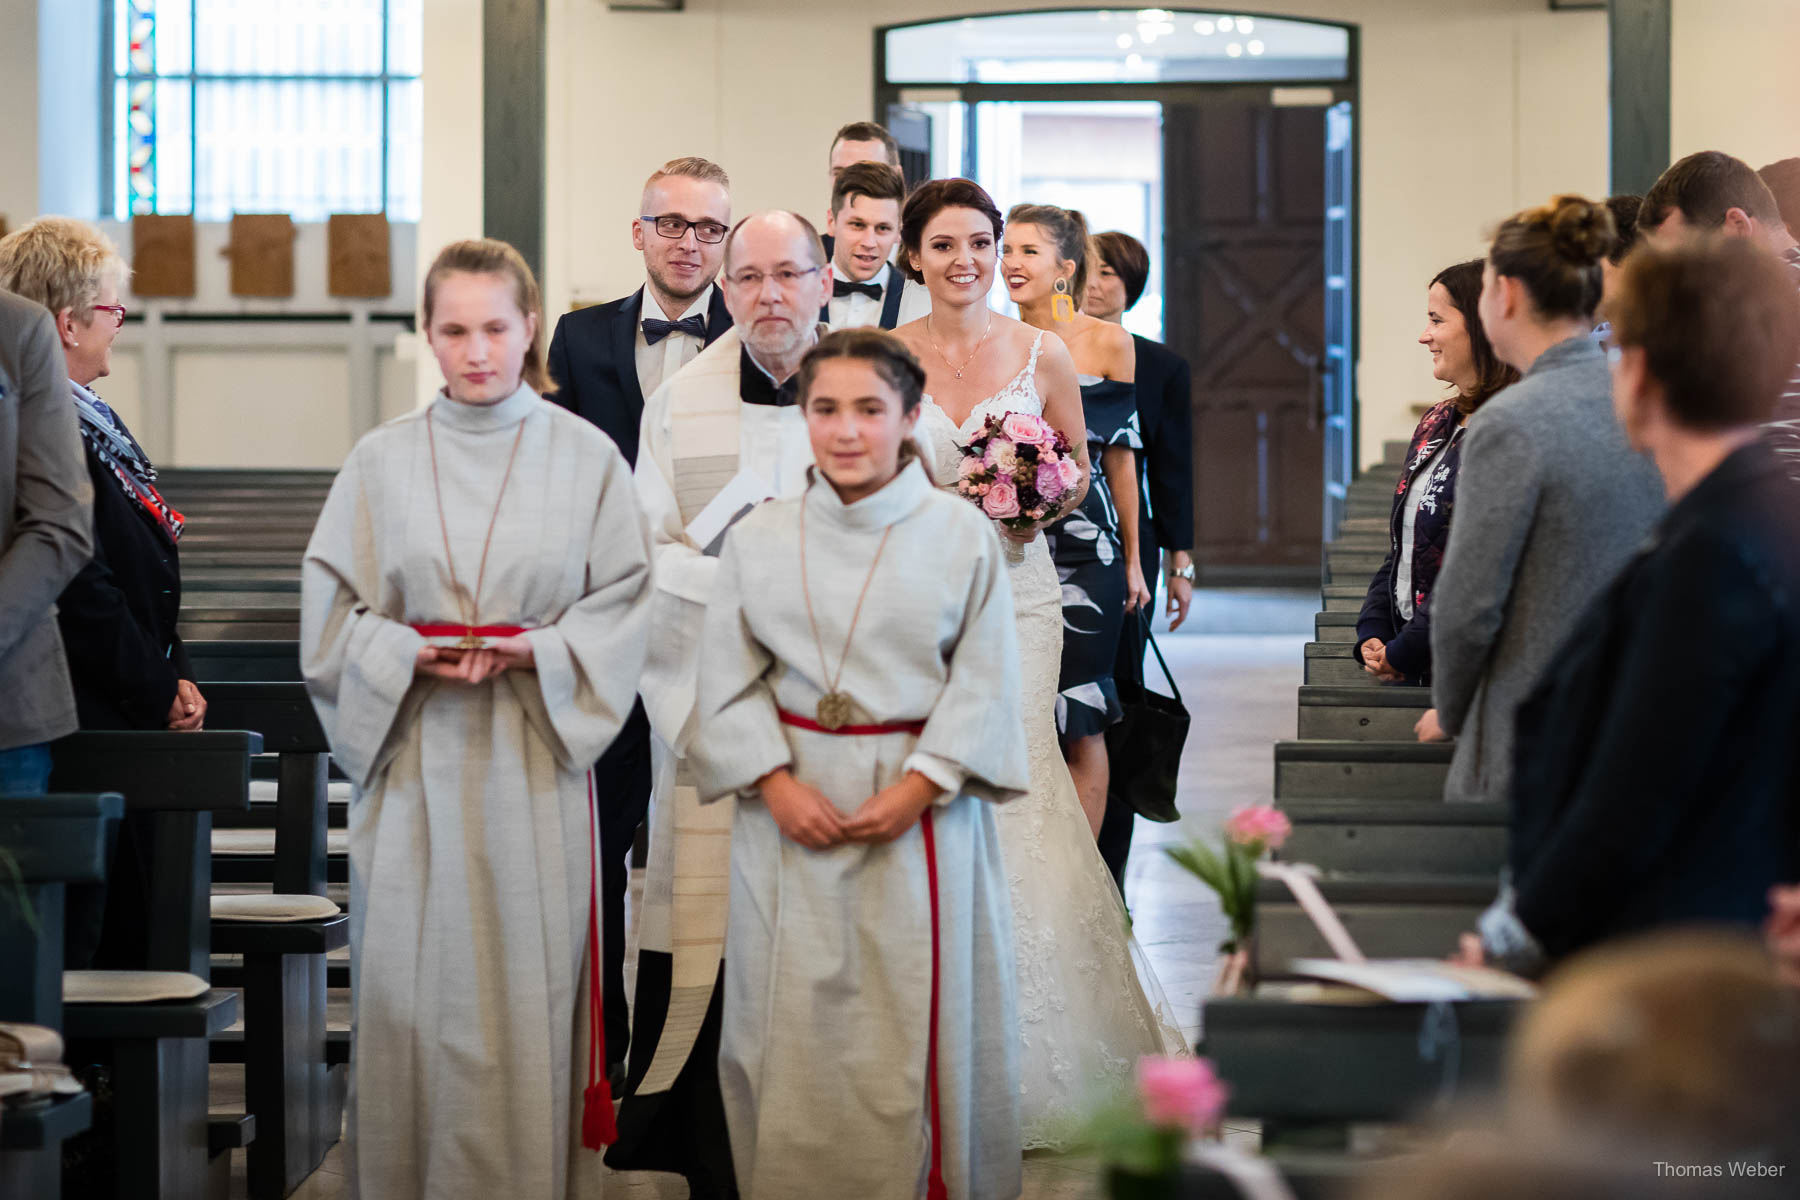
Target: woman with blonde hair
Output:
{"points": [[473, 621]]}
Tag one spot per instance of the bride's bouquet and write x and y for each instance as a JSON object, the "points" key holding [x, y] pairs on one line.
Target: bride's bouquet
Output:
{"points": [[1019, 468]]}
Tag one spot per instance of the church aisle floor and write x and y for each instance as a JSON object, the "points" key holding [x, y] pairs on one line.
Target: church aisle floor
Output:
{"points": [[1239, 689]]}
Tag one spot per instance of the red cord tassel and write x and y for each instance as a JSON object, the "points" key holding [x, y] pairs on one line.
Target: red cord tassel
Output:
{"points": [[599, 1127], [934, 1180]]}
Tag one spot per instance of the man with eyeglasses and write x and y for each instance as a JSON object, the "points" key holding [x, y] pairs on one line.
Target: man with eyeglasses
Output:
{"points": [[716, 439], [605, 360]]}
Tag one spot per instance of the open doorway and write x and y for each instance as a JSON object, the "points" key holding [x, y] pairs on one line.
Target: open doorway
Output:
{"points": [[1224, 142]]}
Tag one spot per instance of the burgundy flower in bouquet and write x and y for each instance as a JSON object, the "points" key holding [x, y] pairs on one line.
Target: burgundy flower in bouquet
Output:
{"points": [[1019, 469]]}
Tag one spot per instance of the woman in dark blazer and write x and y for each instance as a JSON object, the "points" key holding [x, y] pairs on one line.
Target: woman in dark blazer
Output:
{"points": [[1120, 268], [126, 663], [1656, 772], [1393, 634]]}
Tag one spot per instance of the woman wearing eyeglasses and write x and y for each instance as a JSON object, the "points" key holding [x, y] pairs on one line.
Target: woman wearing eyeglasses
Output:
{"points": [[126, 663]]}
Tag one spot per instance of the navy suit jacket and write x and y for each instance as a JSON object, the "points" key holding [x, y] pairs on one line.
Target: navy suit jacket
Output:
{"points": [[593, 359], [1166, 424]]}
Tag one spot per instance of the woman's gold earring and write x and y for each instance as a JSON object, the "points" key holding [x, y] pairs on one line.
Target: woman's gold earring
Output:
{"points": [[1062, 305]]}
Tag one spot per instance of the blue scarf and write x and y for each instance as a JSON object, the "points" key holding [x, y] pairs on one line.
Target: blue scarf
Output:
{"points": [[109, 441]]}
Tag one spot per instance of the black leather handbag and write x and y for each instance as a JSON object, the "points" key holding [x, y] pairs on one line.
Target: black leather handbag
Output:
{"points": [[1145, 745]]}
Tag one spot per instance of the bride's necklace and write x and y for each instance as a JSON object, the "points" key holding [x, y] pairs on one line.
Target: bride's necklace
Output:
{"points": [[472, 608], [940, 350], [834, 706]]}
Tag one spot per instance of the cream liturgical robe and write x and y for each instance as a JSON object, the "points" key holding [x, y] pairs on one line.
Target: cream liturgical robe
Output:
{"points": [[828, 962], [470, 835], [699, 434]]}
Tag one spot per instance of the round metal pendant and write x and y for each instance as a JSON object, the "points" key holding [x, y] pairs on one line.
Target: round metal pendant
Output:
{"points": [[834, 710]]}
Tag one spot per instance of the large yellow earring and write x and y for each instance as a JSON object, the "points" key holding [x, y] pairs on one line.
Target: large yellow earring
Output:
{"points": [[1062, 305]]}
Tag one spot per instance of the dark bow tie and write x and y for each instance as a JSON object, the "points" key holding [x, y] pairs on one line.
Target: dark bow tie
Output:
{"points": [[655, 330], [843, 287]]}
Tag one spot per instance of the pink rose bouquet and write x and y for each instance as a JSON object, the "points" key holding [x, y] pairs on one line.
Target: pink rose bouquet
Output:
{"points": [[1019, 469]]}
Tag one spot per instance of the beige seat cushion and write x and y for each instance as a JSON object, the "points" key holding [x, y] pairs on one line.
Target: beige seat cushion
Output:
{"points": [[229, 842], [266, 907], [130, 987]]}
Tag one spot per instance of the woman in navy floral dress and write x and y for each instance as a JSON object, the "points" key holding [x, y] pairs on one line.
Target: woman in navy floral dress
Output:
{"points": [[1044, 262], [1393, 634]]}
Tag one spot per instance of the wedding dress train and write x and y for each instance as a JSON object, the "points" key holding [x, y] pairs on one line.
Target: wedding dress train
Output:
{"points": [[1089, 1004]]}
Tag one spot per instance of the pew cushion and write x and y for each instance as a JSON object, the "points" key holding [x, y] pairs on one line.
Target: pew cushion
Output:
{"points": [[229, 842], [130, 987], [266, 907]]}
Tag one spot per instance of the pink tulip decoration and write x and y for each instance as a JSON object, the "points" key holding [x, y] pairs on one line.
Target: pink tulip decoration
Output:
{"points": [[1181, 1093], [1258, 827]]}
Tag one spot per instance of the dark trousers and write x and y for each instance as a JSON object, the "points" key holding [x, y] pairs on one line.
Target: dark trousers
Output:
{"points": [[1116, 825], [622, 790]]}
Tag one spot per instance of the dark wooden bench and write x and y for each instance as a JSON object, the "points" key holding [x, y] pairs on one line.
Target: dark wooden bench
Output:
{"points": [[1331, 626], [1388, 916], [1358, 770], [1292, 1061], [1331, 663], [53, 841], [1398, 837], [163, 1141], [1348, 712]]}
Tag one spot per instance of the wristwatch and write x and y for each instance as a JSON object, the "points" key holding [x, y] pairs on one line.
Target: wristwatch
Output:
{"points": [[1186, 573]]}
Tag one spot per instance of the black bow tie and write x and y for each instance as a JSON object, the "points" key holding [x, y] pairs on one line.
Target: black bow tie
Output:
{"points": [[843, 287], [655, 330]]}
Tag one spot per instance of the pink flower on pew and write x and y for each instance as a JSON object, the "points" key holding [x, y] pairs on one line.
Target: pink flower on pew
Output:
{"points": [[1258, 826], [1181, 1093]]}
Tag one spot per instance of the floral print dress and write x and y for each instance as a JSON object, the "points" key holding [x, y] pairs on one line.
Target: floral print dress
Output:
{"points": [[1090, 562]]}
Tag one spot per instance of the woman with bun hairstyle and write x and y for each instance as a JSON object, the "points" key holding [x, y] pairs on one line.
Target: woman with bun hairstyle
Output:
{"points": [[1551, 501], [1393, 632]]}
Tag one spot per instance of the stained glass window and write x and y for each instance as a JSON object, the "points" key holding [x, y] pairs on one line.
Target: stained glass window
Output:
{"points": [[308, 108]]}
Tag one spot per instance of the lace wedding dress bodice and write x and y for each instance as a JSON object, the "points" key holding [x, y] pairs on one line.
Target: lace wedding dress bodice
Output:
{"points": [[1089, 1004]]}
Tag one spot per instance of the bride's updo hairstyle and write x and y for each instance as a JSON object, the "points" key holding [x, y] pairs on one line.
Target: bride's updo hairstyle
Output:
{"points": [[489, 256], [1065, 227], [1556, 251], [930, 199], [884, 352]]}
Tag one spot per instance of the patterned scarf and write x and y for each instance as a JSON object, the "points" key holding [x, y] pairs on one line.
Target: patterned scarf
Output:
{"points": [[112, 443]]}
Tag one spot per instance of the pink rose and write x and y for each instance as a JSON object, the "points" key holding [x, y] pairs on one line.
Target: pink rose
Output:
{"points": [[1258, 826], [1023, 429], [1002, 499], [1181, 1093], [968, 467], [1070, 473]]}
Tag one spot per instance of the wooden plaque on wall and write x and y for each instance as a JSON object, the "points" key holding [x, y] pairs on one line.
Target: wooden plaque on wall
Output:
{"points": [[261, 254], [358, 255], [162, 255]]}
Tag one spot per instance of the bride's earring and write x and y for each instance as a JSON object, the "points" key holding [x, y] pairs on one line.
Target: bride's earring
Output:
{"points": [[1062, 305]]}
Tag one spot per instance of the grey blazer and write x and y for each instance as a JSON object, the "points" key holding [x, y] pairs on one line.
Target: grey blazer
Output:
{"points": [[1550, 504], [46, 527]]}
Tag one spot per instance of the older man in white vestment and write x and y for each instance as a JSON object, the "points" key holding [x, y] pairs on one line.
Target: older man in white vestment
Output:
{"points": [[721, 435]]}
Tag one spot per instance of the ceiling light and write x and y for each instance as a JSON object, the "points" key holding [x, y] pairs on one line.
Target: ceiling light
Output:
{"points": [[1124, 41], [1234, 50], [1255, 46], [1224, 24], [1134, 62], [1203, 28], [1154, 14], [1245, 24]]}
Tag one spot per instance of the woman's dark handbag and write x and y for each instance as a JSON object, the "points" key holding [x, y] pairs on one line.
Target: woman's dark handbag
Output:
{"points": [[1145, 745]]}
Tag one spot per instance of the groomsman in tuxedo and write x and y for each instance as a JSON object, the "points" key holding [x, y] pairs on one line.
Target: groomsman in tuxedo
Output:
{"points": [[866, 288], [605, 360], [859, 141]]}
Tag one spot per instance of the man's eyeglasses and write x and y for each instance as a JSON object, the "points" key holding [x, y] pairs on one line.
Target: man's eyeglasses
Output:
{"points": [[117, 310], [786, 279], [672, 227]]}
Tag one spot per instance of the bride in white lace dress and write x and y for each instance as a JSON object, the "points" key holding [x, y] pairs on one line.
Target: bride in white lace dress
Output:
{"points": [[1089, 1004]]}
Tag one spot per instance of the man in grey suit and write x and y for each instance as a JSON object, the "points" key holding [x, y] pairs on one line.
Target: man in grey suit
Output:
{"points": [[46, 536], [1550, 503]]}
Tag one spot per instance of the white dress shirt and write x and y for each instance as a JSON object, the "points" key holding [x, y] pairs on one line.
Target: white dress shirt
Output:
{"points": [[849, 312], [657, 363]]}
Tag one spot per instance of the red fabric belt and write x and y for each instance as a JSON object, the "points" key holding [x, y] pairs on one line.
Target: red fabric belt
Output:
{"points": [[469, 630], [599, 1127], [934, 1185], [916, 728]]}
